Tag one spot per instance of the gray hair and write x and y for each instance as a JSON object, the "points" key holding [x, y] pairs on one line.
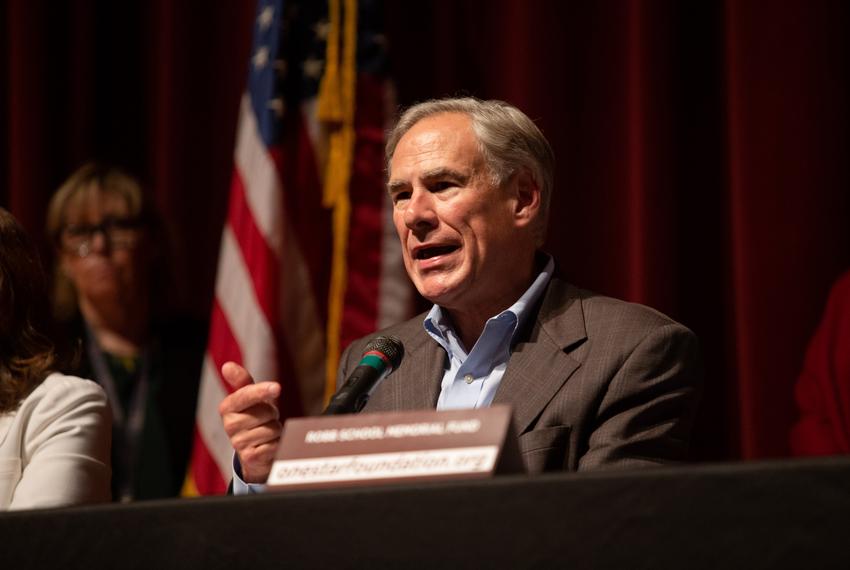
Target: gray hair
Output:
{"points": [[507, 138]]}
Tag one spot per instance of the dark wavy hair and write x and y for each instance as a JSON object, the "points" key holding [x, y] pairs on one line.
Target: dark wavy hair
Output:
{"points": [[27, 350]]}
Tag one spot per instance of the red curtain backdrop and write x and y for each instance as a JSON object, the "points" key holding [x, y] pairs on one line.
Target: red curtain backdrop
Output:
{"points": [[702, 149]]}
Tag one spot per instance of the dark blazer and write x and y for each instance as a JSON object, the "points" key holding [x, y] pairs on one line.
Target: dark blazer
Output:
{"points": [[177, 350], [593, 381]]}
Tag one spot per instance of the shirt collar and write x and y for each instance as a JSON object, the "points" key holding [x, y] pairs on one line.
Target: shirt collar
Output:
{"points": [[439, 326]]}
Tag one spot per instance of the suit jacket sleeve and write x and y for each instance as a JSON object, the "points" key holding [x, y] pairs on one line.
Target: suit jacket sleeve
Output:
{"points": [[648, 409], [345, 363], [64, 455]]}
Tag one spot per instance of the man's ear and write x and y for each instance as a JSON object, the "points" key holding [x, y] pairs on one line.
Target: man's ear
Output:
{"points": [[528, 197]]}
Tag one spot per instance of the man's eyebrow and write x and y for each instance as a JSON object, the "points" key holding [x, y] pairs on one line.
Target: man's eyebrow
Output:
{"points": [[445, 172], [396, 185], [433, 174]]}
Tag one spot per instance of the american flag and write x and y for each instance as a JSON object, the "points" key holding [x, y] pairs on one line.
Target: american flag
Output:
{"points": [[309, 259]]}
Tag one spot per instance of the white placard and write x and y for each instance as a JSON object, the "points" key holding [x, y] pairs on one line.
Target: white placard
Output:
{"points": [[364, 467]]}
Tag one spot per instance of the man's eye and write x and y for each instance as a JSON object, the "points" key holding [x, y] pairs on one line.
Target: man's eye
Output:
{"points": [[400, 197], [443, 185]]}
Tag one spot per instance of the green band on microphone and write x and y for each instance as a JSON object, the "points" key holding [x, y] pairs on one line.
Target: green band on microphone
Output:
{"points": [[374, 361]]}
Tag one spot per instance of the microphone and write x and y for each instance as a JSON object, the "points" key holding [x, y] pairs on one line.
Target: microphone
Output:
{"points": [[383, 355]]}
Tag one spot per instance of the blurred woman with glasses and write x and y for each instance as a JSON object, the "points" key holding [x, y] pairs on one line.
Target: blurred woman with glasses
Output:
{"points": [[54, 429], [111, 294]]}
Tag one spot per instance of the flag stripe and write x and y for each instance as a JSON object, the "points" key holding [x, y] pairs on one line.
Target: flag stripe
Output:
{"points": [[222, 347], [262, 182], [216, 444], [204, 477], [254, 249], [238, 302]]}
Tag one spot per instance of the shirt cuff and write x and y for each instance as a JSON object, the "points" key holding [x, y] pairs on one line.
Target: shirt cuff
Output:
{"points": [[240, 487]]}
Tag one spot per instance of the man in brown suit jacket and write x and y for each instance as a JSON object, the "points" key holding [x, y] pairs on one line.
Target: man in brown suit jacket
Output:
{"points": [[593, 382]]}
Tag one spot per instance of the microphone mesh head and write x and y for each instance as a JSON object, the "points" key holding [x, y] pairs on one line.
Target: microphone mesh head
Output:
{"points": [[389, 346]]}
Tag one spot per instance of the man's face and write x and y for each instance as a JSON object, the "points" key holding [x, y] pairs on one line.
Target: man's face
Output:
{"points": [[459, 232]]}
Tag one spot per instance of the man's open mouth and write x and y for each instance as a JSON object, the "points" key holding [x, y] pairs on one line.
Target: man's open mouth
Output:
{"points": [[429, 252]]}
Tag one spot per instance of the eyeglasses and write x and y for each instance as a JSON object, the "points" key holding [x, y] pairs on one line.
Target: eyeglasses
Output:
{"points": [[119, 233]]}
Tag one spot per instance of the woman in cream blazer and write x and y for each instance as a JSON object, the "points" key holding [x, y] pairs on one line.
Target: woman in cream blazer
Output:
{"points": [[54, 429]]}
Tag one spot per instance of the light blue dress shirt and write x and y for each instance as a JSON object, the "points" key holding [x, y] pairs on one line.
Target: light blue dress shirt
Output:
{"points": [[471, 378]]}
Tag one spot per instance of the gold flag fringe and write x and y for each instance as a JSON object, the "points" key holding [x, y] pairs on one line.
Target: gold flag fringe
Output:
{"points": [[335, 109]]}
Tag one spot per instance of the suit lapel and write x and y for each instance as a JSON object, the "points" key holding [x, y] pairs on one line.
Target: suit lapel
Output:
{"points": [[423, 375], [416, 384], [539, 365]]}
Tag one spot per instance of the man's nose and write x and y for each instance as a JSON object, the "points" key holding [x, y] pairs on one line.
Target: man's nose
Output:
{"points": [[419, 215]]}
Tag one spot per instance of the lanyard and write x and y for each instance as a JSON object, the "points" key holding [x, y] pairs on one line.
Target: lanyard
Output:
{"points": [[127, 425]]}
